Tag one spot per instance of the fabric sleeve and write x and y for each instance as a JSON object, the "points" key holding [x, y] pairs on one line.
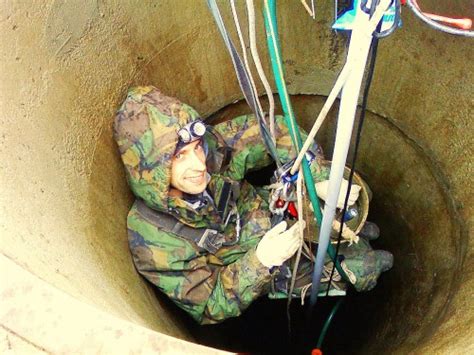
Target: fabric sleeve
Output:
{"points": [[196, 281], [249, 152]]}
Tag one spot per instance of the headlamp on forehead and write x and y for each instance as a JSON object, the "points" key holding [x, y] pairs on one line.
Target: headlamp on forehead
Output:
{"points": [[192, 131]]}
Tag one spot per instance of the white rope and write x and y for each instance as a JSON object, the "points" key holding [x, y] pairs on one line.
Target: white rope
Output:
{"points": [[308, 10], [307, 252], [326, 276], [304, 290], [299, 194], [341, 80], [258, 65], [244, 52]]}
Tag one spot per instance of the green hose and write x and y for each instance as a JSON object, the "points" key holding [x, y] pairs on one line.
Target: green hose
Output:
{"points": [[322, 335], [277, 65], [271, 28]]}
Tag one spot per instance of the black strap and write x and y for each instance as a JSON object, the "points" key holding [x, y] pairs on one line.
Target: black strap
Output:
{"points": [[224, 198], [204, 238], [218, 159]]}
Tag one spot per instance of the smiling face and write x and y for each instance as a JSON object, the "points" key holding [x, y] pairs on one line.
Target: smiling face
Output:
{"points": [[188, 170]]}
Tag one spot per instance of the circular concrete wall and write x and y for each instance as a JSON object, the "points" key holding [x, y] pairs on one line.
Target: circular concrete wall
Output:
{"points": [[65, 69]]}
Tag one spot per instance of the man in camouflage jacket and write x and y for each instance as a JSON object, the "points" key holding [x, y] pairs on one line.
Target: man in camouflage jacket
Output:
{"points": [[210, 286]]}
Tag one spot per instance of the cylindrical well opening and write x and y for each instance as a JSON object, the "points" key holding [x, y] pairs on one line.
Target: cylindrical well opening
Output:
{"points": [[64, 195]]}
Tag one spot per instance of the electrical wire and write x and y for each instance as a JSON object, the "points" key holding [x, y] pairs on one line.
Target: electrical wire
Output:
{"points": [[244, 81], [396, 22], [244, 53], [258, 65], [413, 5]]}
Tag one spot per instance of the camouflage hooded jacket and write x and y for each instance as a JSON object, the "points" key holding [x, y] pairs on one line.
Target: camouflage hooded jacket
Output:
{"points": [[210, 287]]}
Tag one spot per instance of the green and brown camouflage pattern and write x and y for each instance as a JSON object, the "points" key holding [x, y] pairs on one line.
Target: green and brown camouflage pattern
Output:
{"points": [[366, 264], [210, 287]]}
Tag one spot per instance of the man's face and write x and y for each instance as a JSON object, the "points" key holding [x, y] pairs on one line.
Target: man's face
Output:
{"points": [[188, 169]]}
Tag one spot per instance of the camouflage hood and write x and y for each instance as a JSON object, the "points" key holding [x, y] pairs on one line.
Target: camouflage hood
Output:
{"points": [[145, 129]]}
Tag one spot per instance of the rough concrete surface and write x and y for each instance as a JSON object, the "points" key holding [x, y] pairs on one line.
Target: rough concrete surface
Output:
{"points": [[65, 67]]}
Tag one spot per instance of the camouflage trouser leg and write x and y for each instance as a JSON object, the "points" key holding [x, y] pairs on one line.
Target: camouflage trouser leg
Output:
{"points": [[282, 282]]}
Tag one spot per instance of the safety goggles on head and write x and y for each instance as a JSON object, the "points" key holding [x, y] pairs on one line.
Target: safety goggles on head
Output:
{"points": [[192, 131]]}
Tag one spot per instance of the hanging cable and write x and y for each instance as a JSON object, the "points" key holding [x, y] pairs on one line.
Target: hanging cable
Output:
{"points": [[299, 194], [244, 81], [340, 82], [413, 5], [306, 7], [462, 23], [277, 65], [244, 53], [258, 65], [370, 74], [357, 55]]}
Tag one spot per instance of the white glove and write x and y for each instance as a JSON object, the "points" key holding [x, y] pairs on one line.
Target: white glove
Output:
{"points": [[279, 244], [322, 191]]}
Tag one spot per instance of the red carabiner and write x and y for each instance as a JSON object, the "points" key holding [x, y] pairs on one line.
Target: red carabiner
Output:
{"points": [[292, 211]]}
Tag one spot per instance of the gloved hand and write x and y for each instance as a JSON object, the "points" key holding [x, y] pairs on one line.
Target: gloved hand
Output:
{"points": [[322, 191], [279, 244]]}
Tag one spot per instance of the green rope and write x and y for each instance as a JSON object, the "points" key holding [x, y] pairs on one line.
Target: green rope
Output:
{"points": [[277, 66]]}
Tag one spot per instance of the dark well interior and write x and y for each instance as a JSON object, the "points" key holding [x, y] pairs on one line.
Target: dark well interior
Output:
{"points": [[364, 317]]}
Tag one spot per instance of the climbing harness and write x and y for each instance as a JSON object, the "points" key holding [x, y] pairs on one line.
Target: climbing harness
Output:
{"points": [[205, 238], [217, 159], [244, 81]]}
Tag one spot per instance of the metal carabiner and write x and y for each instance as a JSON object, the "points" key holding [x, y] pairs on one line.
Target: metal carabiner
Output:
{"points": [[370, 11]]}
